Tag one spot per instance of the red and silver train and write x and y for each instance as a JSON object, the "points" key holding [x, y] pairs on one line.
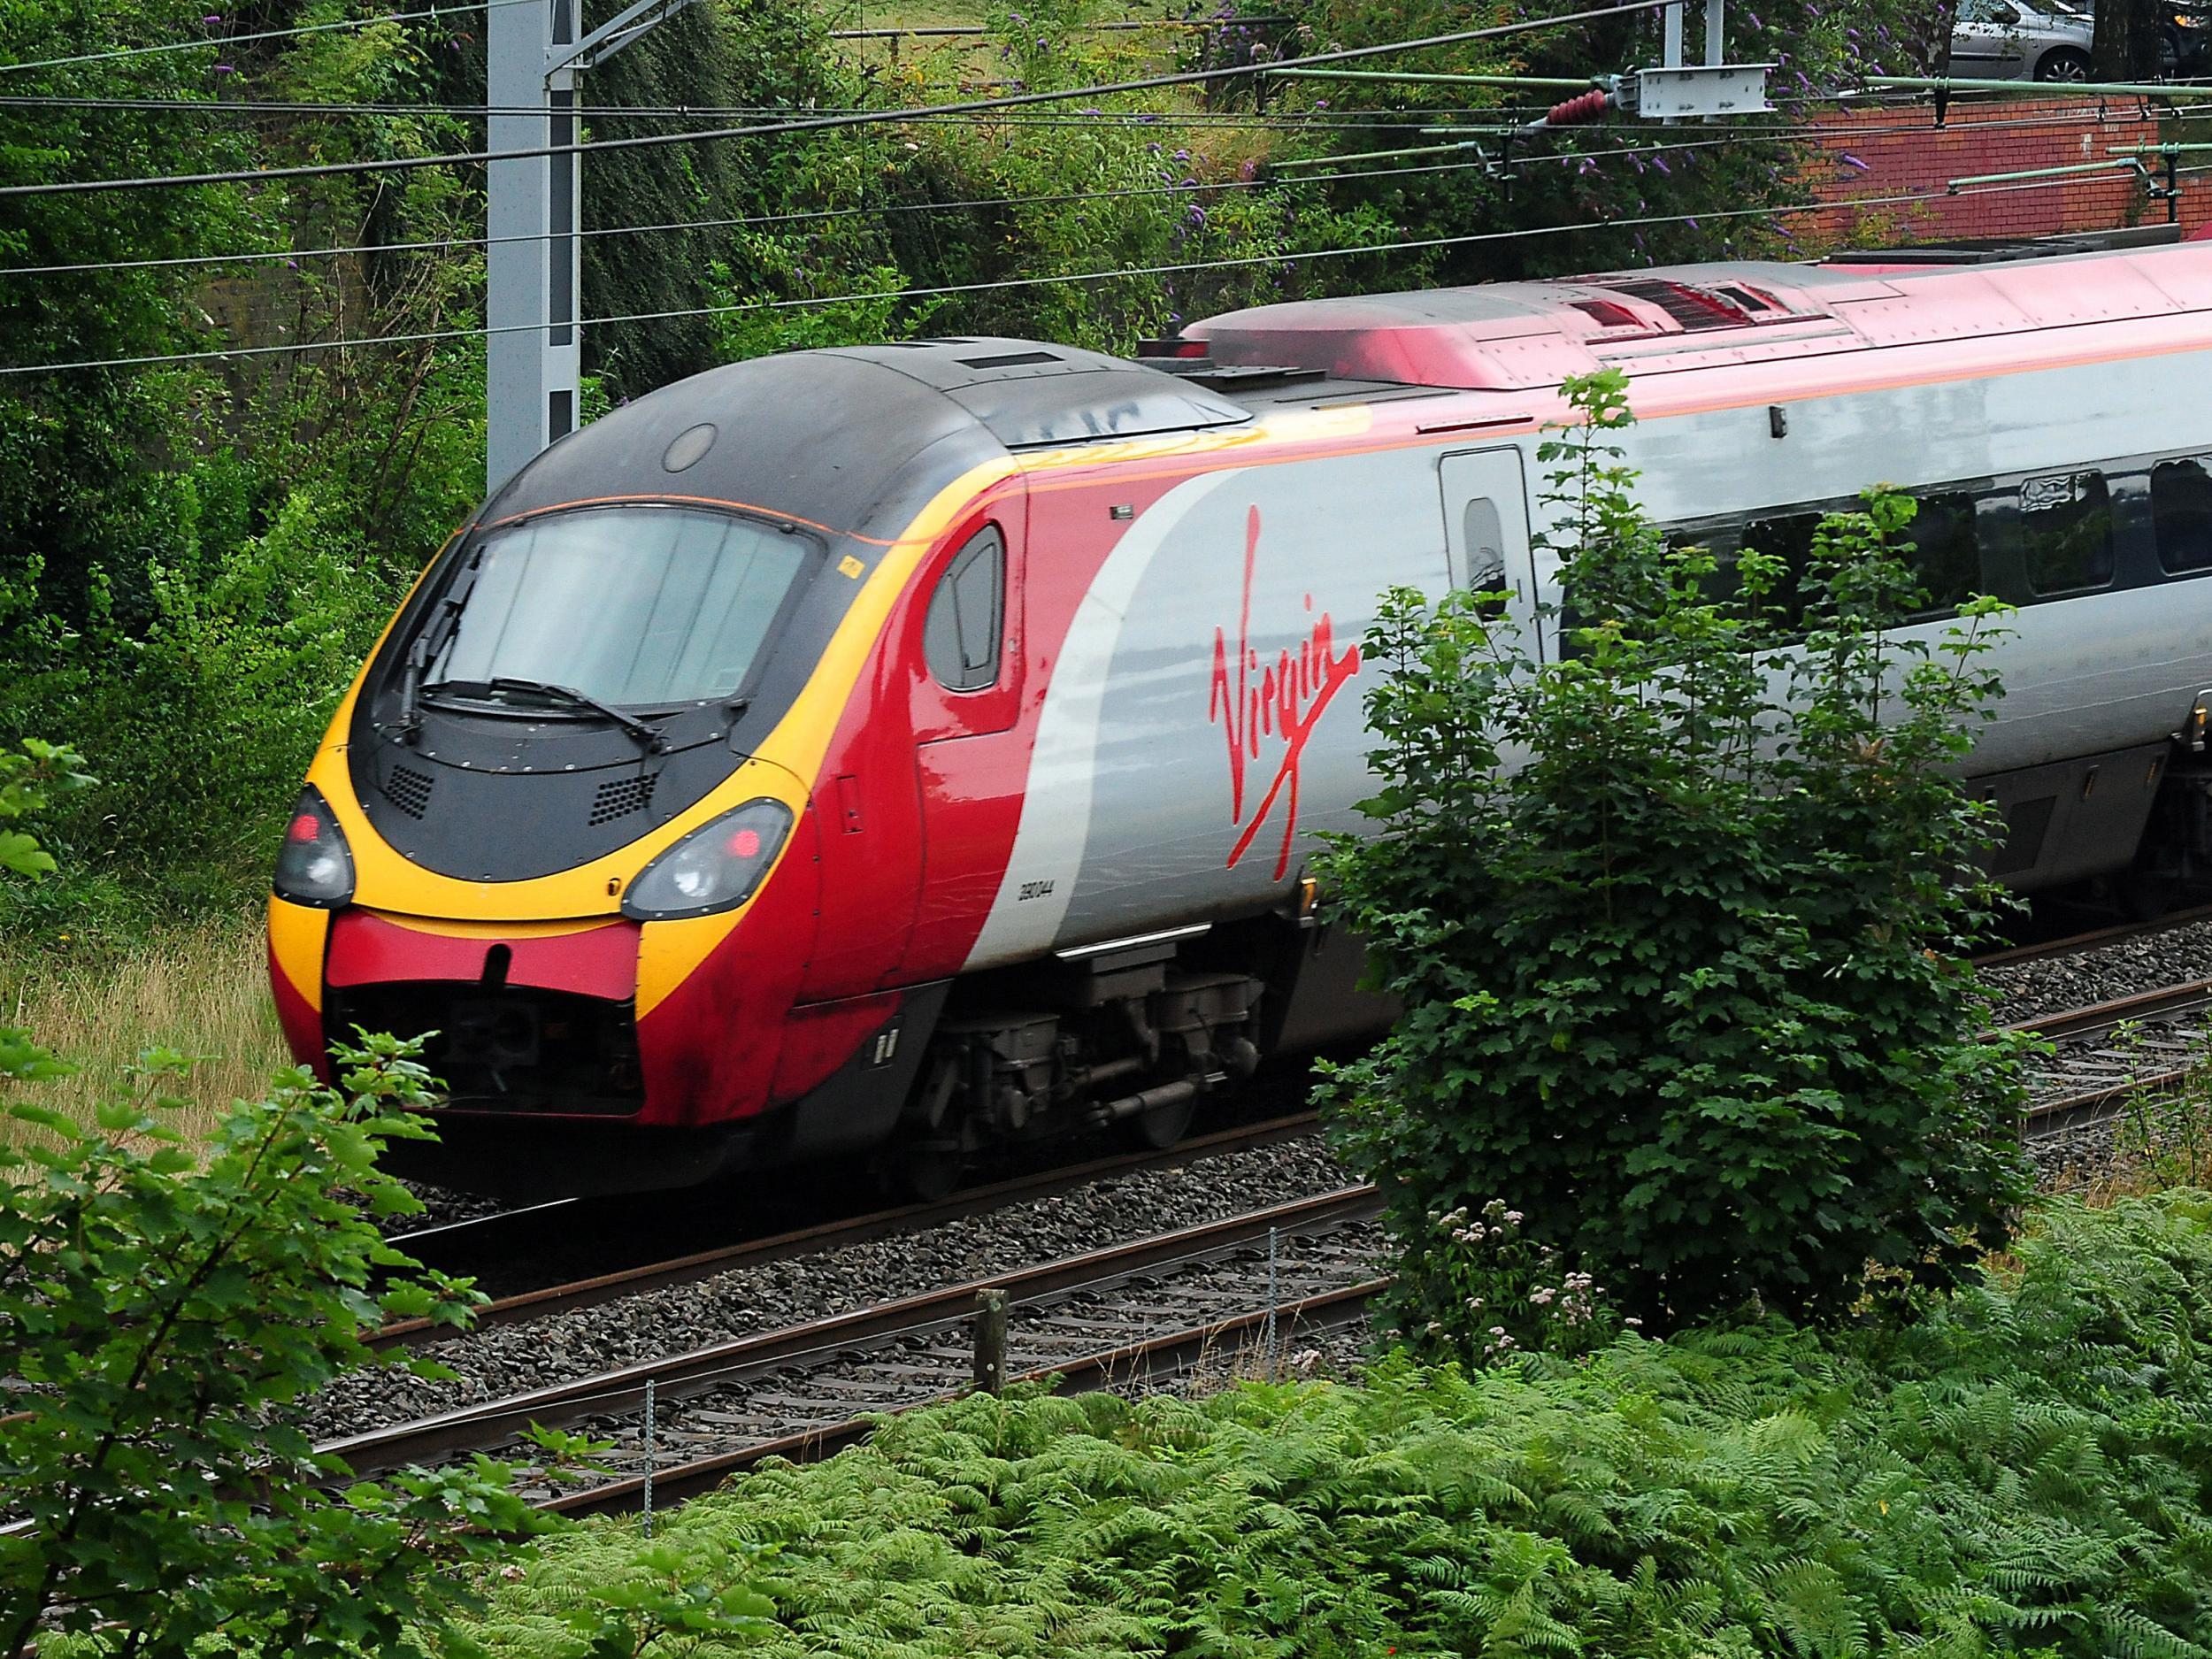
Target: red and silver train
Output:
{"points": [[903, 746]]}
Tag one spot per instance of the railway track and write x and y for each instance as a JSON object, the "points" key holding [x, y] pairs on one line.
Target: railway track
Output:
{"points": [[2092, 1077], [654, 1274], [1132, 1313]]}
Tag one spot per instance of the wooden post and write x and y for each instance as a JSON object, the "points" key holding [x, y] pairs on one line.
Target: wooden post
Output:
{"points": [[990, 1340]]}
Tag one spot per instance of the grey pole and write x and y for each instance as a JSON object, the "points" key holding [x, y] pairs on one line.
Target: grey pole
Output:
{"points": [[531, 266]]}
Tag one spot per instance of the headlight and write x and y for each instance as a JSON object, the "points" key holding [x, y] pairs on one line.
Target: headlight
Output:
{"points": [[315, 867], [714, 867]]}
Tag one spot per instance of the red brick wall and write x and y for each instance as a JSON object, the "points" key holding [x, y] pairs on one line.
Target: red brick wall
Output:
{"points": [[1898, 150]]}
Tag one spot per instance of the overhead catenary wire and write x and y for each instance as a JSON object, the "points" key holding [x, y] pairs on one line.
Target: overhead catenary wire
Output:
{"points": [[831, 121], [812, 301], [731, 111], [816, 215], [219, 42]]}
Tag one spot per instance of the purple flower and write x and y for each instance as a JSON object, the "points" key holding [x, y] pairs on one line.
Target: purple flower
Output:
{"points": [[1691, 223], [212, 18], [225, 69], [1182, 155], [1660, 162], [1852, 161], [1321, 103]]}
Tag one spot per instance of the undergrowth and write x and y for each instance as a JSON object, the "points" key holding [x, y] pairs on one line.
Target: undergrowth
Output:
{"points": [[2023, 1472], [199, 988]]}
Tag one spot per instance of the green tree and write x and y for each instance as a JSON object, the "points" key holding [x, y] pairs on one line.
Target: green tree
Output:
{"points": [[1677, 921]]}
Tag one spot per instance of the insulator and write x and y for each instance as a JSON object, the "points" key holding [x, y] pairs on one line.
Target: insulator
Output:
{"points": [[1586, 106]]}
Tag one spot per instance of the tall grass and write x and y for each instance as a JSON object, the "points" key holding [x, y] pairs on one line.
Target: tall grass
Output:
{"points": [[201, 988]]}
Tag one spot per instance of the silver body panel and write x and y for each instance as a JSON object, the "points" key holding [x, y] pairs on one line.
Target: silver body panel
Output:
{"points": [[1139, 816]]}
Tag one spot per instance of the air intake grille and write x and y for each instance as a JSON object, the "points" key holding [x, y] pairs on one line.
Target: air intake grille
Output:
{"points": [[1693, 308], [619, 797], [408, 790]]}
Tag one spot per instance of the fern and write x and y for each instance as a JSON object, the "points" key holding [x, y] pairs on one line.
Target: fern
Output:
{"points": [[2025, 1471]]}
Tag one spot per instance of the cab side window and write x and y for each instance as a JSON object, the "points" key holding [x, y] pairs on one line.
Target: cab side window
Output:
{"points": [[1483, 533], [960, 637]]}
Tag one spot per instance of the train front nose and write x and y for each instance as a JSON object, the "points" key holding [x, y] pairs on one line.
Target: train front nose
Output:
{"points": [[601, 1053], [516, 1018]]}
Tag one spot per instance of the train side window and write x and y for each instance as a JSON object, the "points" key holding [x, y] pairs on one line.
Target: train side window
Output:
{"points": [[960, 636], [1790, 538], [1946, 554], [2066, 533], [2181, 514]]}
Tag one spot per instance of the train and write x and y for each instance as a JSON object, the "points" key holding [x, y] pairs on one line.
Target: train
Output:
{"points": [[886, 750]]}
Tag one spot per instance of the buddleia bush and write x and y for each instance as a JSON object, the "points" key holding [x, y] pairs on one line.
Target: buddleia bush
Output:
{"points": [[2024, 1472], [1677, 918]]}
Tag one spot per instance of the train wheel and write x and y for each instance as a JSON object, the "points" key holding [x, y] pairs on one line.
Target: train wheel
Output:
{"points": [[1157, 1130], [927, 1172]]}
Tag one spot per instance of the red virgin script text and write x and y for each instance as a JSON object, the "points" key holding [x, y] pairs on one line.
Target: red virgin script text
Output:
{"points": [[1280, 703]]}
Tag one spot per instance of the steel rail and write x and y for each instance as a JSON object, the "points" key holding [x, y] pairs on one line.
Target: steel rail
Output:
{"points": [[563, 1405], [2097, 1017], [689, 1268]]}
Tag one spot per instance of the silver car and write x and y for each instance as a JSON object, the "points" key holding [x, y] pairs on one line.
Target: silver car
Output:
{"points": [[2010, 39]]}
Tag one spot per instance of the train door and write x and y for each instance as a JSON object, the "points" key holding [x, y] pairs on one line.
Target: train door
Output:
{"points": [[1485, 532], [971, 755]]}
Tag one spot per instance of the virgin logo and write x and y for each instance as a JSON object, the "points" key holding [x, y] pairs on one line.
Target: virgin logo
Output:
{"points": [[1274, 708]]}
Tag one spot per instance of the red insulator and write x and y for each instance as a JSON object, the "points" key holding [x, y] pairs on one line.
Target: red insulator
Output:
{"points": [[1587, 106]]}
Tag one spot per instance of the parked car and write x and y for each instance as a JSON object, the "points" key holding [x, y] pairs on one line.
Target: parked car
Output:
{"points": [[2010, 39]]}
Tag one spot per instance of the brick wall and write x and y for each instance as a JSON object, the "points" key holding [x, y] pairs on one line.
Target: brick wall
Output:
{"points": [[1898, 150]]}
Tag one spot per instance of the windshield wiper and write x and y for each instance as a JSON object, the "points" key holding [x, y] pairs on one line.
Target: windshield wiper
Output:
{"points": [[429, 642], [651, 736], [647, 734]]}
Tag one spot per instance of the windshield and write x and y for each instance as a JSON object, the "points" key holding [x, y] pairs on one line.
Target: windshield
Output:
{"points": [[635, 606]]}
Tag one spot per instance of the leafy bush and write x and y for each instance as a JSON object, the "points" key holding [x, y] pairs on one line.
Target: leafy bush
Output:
{"points": [[160, 1313], [163, 1312], [1678, 920], [2026, 1473]]}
